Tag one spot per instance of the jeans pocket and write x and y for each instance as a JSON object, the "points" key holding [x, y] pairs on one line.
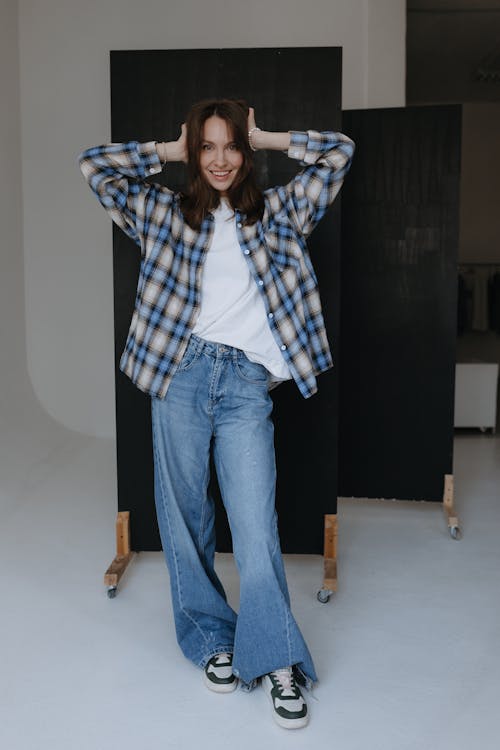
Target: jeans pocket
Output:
{"points": [[250, 372], [189, 357]]}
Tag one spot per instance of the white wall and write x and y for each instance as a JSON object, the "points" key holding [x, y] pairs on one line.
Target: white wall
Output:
{"points": [[12, 318], [64, 96], [28, 436]]}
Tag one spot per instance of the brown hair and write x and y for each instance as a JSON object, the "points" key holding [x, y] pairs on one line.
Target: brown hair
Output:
{"points": [[201, 197]]}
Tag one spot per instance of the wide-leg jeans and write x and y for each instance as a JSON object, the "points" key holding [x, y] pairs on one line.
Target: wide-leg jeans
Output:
{"points": [[219, 397]]}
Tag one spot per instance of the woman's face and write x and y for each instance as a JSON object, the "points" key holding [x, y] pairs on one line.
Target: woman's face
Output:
{"points": [[220, 159]]}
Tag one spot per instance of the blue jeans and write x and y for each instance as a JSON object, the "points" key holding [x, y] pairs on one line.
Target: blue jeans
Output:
{"points": [[218, 396]]}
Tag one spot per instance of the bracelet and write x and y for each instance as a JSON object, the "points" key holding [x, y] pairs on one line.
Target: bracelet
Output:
{"points": [[252, 130], [162, 161]]}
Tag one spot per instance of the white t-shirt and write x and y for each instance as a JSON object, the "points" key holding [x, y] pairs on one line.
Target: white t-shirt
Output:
{"points": [[232, 310]]}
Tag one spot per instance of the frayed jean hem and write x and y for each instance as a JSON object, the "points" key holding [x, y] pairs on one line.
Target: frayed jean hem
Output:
{"points": [[248, 686], [302, 678], [213, 652]]}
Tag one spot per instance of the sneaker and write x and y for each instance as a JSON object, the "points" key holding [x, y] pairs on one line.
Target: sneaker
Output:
{"points": [[290, 708], [218, 674]]}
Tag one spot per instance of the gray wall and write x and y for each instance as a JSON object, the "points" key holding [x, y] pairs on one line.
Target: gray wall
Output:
{"points": [[480, 184], [448, 43], [453, 51]]}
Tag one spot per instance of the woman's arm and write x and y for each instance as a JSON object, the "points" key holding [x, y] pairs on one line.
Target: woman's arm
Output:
{"points": [[265, 139], [116, 174], [173, 150], [326, 158]]}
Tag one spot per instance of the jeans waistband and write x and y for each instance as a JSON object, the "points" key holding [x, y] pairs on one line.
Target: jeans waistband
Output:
{"points": [[213, 348]]}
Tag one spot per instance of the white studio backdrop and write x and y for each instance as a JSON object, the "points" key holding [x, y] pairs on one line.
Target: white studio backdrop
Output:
{"points": [[57, 99]]}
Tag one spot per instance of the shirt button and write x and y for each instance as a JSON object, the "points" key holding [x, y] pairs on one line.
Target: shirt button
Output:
{"points": [[151, 170], [271, 315], [282, 347], [239, 225], [261, 283], [247, 252]]}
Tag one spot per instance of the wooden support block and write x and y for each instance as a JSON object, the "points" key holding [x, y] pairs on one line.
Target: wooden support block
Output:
{"points": [[330, 575], [331, 533], [448, 493], [123, 533], [449, 507], [330, 553], [117, 569], [448, 500], [124, 556]]}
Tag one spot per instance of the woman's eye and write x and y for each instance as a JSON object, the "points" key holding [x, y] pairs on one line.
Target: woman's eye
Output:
{"points": [[233, 147], [206, 147]]}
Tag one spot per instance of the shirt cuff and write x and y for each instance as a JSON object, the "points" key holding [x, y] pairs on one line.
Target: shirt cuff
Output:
{"points": [[298, 144], [149, 158]]}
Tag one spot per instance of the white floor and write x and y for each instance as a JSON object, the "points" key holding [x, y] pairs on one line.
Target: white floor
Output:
{"points": [[407, 651]]}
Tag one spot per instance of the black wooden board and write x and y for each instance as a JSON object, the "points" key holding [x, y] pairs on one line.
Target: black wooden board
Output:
{"points": [[292, 88], [400, 221]]}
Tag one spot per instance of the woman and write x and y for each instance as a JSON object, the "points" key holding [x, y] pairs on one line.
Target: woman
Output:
{"points": [[227, 307]]}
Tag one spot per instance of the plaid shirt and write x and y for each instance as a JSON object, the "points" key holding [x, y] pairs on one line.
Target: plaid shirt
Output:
{"points": [[172, 254]]}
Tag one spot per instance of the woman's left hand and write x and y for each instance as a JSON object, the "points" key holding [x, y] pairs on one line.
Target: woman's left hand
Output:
{"points": [[252, 127], [251, 118]]}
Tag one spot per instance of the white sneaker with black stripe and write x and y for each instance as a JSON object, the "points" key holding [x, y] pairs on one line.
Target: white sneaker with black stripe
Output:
{"points": [[289, 705], [218, 674]]}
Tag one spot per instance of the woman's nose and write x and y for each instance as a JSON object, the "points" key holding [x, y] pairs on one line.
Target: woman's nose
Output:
{"points": [[220, 156]]}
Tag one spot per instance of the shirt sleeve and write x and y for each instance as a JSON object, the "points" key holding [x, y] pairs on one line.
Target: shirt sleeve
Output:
{"points": [[116, 174], [326, 158]]}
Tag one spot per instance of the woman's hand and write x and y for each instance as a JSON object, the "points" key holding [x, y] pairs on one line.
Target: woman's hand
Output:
{"points": [[250, 126], [263, 139], [182, 144], [174, 150], [251, 118]]}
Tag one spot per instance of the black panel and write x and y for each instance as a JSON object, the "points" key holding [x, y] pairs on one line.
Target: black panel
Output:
{"points": [[400, 218], [297, 88]]}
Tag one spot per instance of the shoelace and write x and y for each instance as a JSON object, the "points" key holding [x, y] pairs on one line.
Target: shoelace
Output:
{"points": [[286, 681], [285, 678]]}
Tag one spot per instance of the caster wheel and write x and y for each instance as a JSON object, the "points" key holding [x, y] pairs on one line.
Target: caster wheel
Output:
{"points": [[111, 592], [455, 532], [323, 596]]}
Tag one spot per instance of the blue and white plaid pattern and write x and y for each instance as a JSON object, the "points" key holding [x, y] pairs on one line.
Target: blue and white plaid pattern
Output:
{"points": [[172, 254]]}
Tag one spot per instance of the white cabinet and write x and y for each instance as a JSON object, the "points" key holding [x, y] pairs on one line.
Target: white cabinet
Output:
{"points": [[476, 395]]}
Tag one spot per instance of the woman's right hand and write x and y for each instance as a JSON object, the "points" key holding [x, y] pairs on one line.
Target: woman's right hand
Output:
{"points": [[174, 150], [182, 144]]}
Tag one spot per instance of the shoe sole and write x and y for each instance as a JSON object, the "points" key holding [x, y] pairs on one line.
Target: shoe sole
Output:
{"points": [[291, 723], [222, 687], [287, 723]]}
